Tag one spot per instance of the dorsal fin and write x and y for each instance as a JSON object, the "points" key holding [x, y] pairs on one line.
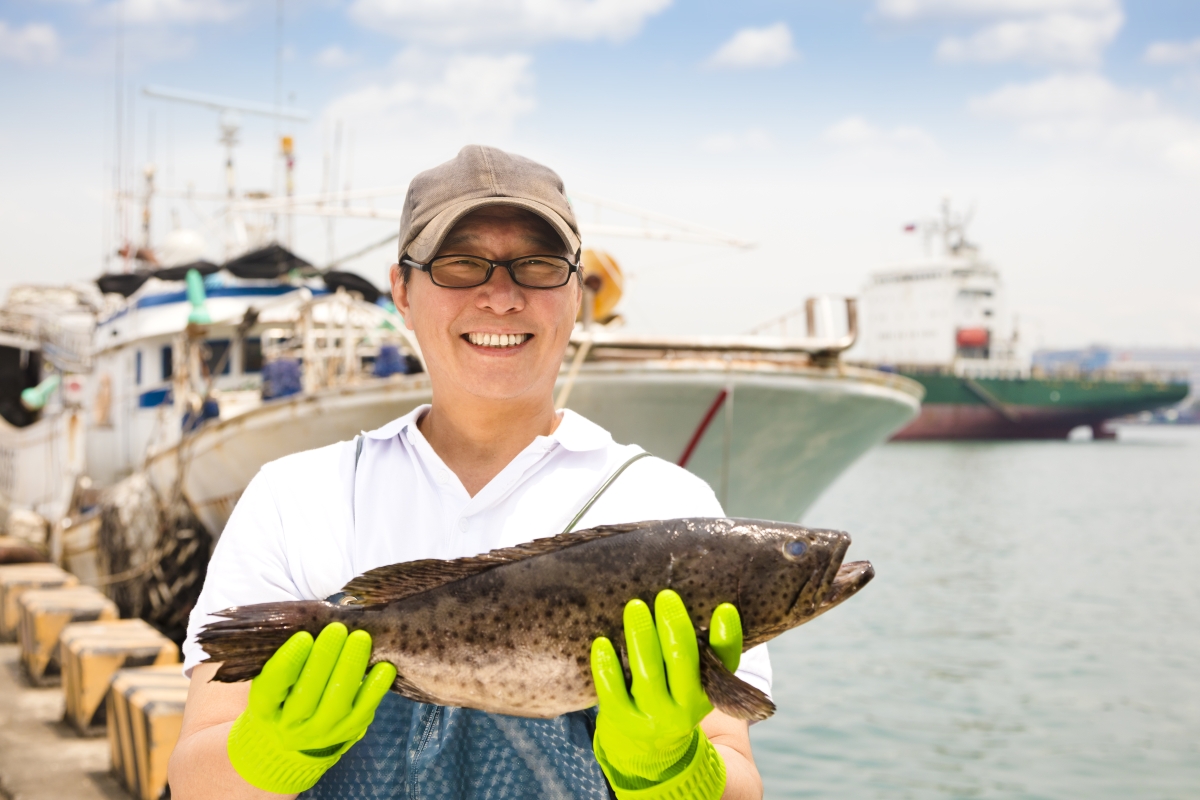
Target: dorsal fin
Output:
{"points": [[397, 581]]}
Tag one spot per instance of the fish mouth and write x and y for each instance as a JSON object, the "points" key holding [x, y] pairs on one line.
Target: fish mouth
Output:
{"points": [[849, 579]]}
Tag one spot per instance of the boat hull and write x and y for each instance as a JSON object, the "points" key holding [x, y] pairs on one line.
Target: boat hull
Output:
{"points": [[1031, 408], [39, 464], [781, 436]]}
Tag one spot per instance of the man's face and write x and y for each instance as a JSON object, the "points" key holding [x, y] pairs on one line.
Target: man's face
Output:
{"points": [[446, 321]]}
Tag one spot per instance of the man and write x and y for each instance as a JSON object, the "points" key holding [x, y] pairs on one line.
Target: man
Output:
{"points": [[489, 283]]}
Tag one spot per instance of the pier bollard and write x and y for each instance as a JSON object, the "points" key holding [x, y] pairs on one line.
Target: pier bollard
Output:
{"points": [[92, 653], [148, 780], [44, 613], [16, 579]]}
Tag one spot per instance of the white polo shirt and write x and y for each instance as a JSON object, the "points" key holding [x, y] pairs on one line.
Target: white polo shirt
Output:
{"points": [[310, 522]]}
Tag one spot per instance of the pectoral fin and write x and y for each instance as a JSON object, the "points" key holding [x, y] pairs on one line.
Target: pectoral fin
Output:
{"points": [[729, 693], [406, 688]]}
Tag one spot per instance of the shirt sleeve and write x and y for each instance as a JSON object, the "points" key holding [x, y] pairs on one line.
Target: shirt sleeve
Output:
{"points": [[248, 566], [655, 489]]}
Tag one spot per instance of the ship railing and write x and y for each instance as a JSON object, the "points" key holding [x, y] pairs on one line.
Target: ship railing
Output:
{"points": [[18, 330], [990, 369], [818, 317], [65, 348], [68, 349], [773, 338], [333, 337], [1111, 375]]}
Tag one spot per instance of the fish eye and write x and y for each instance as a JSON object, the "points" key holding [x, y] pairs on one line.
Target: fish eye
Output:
{"points": [[795, 548]]}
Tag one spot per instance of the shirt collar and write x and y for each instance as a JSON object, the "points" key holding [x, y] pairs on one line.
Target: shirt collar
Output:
{"points": [[575, 432], [396, 426]]}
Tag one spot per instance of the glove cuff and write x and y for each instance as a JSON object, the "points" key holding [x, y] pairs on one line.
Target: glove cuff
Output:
{"points": [[698, 775], [259, 757]]}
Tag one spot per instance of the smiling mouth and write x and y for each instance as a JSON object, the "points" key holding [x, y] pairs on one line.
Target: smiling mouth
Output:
{"points": [[498, 340]]}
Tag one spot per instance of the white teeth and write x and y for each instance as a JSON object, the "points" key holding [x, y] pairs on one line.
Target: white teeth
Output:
{"points": [[497, 339]]}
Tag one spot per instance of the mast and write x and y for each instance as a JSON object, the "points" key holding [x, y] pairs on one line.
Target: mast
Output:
{"points": [[230, 127]]}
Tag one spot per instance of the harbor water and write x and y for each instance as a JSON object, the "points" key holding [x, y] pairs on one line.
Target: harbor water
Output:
{"points": [[1033, 630]]}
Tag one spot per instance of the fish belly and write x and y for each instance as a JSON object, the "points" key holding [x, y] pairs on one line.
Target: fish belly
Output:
{"points": [[528, 684]]}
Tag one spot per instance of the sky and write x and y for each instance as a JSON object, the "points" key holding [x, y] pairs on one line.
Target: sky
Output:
{"points": [[817, 129]]}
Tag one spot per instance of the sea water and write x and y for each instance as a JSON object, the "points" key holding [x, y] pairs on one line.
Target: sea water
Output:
{"points": [[1033, 630]]}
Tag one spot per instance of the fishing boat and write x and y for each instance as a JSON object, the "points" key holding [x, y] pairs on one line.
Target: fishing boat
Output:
{"points": [[45, 346], [944, 322], [769, 422]]}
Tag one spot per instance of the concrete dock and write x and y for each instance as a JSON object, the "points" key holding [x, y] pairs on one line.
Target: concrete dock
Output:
{"points": [[41, 758]]}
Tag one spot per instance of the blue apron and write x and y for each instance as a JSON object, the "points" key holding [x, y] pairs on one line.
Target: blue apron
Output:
{"points": [[418, 751]]}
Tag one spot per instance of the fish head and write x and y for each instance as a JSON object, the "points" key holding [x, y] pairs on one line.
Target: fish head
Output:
{"points": [[791, 574]]}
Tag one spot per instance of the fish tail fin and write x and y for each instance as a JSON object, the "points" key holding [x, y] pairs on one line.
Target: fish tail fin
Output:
{"points": [[249, 635]]}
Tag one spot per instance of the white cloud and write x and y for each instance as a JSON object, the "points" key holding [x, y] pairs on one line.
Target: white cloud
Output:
{"points": [[335, 57], [1072, 39], [1058, 32], [752, 139], [1087, 109], [484, 91], [756, 48], [949, 9], [36, 43], [855, 133], [467, 21], [149, 12], [1173, 52]]}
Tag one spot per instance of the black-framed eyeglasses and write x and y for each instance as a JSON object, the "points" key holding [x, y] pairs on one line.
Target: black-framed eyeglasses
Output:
{"points": [[467, 272]]}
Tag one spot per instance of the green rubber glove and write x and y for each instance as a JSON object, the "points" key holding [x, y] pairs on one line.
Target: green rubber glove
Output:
{"points": [[309, 704], [650, 745]]}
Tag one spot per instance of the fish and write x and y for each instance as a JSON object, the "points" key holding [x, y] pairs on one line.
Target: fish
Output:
{"points": [[510, 631]]}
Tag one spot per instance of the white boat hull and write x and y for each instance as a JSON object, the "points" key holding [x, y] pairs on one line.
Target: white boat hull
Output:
{"points": [[781, 438], [39, 464]]}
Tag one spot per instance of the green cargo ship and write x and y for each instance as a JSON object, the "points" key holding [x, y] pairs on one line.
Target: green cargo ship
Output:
{"points": [[943, 322], [961, 407]]}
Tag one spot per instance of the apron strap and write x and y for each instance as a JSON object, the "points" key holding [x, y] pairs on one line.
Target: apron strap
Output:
{"points": [[603, 488]]}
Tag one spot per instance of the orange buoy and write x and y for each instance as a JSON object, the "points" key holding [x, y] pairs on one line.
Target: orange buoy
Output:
{"points": [[603, 276]]}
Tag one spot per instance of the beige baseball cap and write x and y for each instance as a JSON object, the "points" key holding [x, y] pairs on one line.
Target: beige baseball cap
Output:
{"points": [[480, 176]]}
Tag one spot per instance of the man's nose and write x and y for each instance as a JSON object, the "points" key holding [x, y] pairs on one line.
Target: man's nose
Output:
{"points": [[501, 294]]}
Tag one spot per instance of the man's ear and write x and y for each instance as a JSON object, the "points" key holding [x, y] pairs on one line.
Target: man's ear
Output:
{"points": [[400, 295]]}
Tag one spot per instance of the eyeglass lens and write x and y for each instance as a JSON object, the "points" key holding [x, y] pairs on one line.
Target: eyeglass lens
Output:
{"points": [[540, 272]]}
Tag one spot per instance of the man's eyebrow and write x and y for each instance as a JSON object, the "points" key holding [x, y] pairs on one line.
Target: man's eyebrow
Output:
{"points": [[551, 244]]}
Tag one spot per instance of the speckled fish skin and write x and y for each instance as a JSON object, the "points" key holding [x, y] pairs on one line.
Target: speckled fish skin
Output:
{"points": [[515, 638]]}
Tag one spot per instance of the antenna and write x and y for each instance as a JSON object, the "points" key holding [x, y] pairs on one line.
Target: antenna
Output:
{"points": [[230, 125], [224, 104]]}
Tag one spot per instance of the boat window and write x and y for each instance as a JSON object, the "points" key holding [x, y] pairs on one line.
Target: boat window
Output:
{"points": [[137, 367], [168, 367], [974, 293], [252, 355], [216, 356]]}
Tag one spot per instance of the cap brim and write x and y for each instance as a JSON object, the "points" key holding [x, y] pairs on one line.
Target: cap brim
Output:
{"points": [[429, 240]]}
